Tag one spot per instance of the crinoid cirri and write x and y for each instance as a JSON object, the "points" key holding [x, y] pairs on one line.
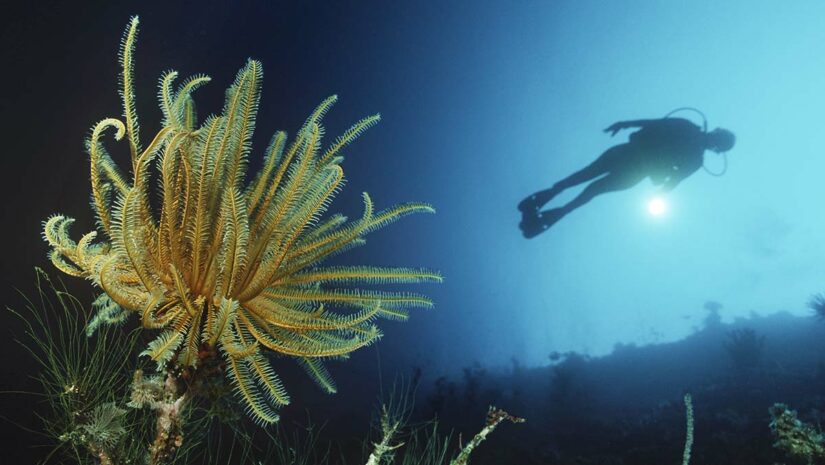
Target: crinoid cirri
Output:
{"points": [[222, 265]]}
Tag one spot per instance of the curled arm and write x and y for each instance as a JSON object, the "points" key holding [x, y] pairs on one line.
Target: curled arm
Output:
{"points": [[636, 123]]}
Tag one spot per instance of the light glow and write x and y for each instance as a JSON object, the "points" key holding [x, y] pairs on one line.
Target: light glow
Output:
{"points": [[657, 206]]}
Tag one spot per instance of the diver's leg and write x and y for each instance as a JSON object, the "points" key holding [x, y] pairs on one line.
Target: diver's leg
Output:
{"points": [[610, 183], [542, 221], [602, 165]]}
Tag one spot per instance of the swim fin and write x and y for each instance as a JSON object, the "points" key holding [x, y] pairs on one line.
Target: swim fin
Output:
{"points": [[534, 224], [532, 203], [529, 206]]}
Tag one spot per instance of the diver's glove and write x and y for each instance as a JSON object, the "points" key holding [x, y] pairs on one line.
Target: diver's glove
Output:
{"points": [[615, 127]]}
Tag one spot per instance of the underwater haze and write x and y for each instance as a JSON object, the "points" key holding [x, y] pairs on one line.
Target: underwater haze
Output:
{"points": [[482, 103]]}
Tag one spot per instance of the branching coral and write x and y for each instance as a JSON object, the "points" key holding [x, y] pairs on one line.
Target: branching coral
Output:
{"points": [[224, 264]]}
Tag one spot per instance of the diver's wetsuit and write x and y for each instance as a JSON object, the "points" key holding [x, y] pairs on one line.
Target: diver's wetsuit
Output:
{"points": [[672, 149], [667, 150]]}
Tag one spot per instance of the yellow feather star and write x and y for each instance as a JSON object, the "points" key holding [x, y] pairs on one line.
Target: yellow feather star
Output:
{"points": [[225, 264]]}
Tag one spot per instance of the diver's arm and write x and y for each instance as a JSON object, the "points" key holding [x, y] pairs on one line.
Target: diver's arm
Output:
{"points": [[636, 123]]}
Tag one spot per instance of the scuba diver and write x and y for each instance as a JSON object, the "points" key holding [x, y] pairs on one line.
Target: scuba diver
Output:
{"points": [[667, 150]]}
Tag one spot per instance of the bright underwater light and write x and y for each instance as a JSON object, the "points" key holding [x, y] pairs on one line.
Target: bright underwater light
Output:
{"points": [[657, 206]]}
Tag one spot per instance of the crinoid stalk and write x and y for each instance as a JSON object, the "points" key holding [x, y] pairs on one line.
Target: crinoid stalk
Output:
{"points": [[224, 265]]}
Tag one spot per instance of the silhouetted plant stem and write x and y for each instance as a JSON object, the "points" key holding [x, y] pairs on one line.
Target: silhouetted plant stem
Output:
{"points": [[689, 430], [169, 425], [494, 417], [389, 427]]}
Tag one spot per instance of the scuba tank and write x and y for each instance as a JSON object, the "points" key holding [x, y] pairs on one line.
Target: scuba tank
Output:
{"points": [[724, 155]]}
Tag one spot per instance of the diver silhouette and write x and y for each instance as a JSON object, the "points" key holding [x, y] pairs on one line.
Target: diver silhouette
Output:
{"points": [[667, 150]]}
